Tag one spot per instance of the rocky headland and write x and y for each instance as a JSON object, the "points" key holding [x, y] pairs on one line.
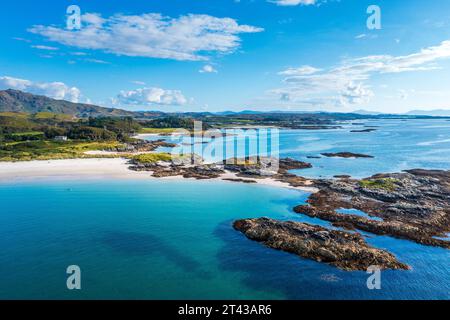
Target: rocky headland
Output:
{"points": [[245, 170], [345, 250], [412, 205]]}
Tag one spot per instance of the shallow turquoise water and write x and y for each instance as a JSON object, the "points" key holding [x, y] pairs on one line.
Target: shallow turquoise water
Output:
{"points": [[359, 213], [396, 145], [173, 239]]}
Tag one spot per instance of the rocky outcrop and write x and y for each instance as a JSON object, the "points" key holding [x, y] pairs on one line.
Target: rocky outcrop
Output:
{"points": [[314, 127], [286, 164], [163, 170], [240, 180], [347, 251], [346, 155], [363, 130], [253, 168], [146, 146], [263, 167], [413, 205]]}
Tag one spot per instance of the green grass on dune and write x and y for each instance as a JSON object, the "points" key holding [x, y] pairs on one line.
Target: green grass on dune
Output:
{"points": [[152, 157], [157, 130], [384, 183], [51, 150]]}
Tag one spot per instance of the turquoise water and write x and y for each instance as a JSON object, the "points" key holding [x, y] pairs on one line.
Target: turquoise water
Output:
{"points": [[174, 240], [396, 145], [359, 213]]}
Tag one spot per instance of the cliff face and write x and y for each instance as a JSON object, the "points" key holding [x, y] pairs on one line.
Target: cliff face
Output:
{"points": [[18, 101]]}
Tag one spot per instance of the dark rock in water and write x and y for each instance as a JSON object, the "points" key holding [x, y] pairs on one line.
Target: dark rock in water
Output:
{"points": [[251, 167], [364, 130], [346, 155], [413, 205], [293, 180], [314, 127], [292, 164], [342, 176], [313, 157], [347, 251], [145, 146], [263, 166], [255, 168], [179, 167], [240, 180]]}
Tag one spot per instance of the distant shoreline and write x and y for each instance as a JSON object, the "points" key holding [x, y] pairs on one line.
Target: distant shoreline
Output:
{"points": [[101, 168]]}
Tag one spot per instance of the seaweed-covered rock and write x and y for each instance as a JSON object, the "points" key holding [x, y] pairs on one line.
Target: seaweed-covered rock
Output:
{"points": [[347, 251]]}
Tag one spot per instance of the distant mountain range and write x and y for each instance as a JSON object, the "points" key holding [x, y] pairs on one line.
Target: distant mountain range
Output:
{"points": [[431, 113], [365, 112], [18, 101], [434, 113]]}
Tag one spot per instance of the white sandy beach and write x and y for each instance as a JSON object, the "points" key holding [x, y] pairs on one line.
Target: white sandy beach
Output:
{"points": [[73, 168], [94, 169]]}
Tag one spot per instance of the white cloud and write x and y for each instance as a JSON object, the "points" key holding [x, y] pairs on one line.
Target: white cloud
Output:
{"points": [[98, 61], [189, 37], [304, 70], [80, 54], [355, 93], [22, 39], [55, 90], [347, 83], [208, 69], [403, 94], [366, 36], [151, 97], [40, 47], [294, 2]]}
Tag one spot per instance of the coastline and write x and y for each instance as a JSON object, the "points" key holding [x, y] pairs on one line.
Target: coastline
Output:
{"points": [[102, 168]]}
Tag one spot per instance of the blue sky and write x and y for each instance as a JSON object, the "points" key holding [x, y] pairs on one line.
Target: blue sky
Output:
{"points": [[215, 55]]}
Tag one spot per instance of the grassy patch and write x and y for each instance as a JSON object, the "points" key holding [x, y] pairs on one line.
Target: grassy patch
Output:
{"points": [[157, 130], [53, 116], [27, 134], [51, 150], [152, 157], [14, 114], [384, 183]]}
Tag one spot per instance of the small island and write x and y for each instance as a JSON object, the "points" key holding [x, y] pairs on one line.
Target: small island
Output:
{"points": [[346, 155], [347, 251]]}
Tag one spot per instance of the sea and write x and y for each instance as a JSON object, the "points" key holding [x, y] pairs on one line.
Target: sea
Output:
{"points": [[173, 239]]}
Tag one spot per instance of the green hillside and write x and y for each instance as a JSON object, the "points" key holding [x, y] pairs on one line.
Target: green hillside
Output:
{"points": [[18, 101]]}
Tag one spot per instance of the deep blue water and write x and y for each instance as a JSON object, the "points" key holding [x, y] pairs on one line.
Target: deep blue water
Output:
{"points": [[174, 240]]}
